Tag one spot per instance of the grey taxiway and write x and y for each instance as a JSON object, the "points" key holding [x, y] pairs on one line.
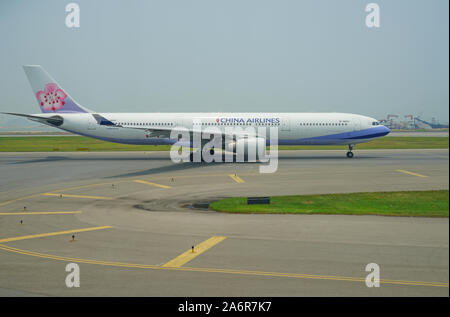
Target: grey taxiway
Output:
{"points": [[126, 219]]}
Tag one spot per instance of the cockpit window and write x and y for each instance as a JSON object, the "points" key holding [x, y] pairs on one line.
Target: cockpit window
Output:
{"points": [[375, 123]]}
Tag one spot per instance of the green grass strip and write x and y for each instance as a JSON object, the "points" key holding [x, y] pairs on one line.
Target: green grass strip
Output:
{"points": [[79, 143], [404, 203]]}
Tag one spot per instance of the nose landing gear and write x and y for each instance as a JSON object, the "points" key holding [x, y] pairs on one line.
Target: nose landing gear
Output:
{"points": [[350, 149]]}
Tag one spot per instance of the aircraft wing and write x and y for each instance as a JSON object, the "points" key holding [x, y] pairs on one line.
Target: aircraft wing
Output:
{"points": [[162, 132]]}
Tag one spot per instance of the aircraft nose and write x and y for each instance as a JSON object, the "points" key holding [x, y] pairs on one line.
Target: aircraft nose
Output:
{"points": [[386, 130]]}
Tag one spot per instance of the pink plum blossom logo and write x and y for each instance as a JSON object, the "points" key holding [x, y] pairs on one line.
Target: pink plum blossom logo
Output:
{"points": [[52, 98]]}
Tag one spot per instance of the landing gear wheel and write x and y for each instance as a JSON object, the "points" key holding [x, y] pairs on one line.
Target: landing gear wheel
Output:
{"points": [[350, 149], [191, 157]]}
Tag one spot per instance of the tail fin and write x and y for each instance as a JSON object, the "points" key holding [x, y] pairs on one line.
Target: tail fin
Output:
{"points": [[50, 96]]}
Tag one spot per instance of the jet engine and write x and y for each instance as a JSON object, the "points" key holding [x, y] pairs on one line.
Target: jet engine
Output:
{"points": [[248, 149]]}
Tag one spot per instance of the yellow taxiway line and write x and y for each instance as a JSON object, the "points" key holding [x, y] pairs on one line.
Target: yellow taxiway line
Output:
{"points": [[18, 199], [187, 256], [411, 173], [150, 183], [39, 213], [91, 185], [236, 178], [223, 271], [77, 196], [49, 234]]}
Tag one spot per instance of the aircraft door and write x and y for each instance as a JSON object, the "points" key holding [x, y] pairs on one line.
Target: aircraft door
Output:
{"points": [[286, 125], [92, 124], [356, 124]]}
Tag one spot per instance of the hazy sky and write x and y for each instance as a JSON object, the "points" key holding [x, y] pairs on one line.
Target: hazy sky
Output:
{"points": [[232, 55]]}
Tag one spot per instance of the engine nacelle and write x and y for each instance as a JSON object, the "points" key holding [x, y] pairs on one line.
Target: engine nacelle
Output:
{"points": [[248, 149]]}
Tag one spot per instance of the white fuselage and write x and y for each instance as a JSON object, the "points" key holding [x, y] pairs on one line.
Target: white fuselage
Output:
{"points": [[293, 128]]}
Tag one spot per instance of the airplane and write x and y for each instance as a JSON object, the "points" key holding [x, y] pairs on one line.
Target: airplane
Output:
{"points": [[60, 110]]}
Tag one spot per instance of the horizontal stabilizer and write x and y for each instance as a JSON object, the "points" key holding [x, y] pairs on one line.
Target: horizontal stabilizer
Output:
{"points": [[52, 121]]}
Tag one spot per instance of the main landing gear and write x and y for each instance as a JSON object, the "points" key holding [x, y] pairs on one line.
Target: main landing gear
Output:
{"points": [[191, 155], [350, 149]]}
